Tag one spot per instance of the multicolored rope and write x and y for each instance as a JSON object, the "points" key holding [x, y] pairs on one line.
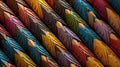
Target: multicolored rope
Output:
{"points": [[4, 60], [54, 46], [13, 50], [28, 42]]}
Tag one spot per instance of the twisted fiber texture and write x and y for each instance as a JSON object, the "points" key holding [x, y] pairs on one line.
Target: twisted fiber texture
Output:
{"points": [[4, 60], [53, 44], [92, 40], [101, 27], [106, 11], [44, 35], [81, 52], [12, 48], [25, 38], [115, 4]]}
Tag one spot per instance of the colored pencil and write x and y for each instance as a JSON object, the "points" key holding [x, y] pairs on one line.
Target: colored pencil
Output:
{"points": [[54, 46], [13, 50], [4, 60], [29, 43]]}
